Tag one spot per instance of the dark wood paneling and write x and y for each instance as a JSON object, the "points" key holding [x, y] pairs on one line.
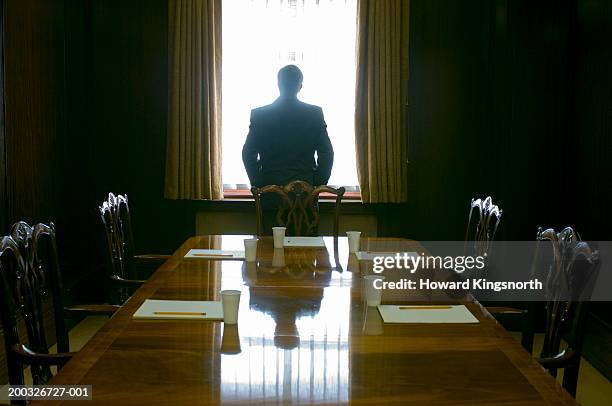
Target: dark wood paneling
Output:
{"points": [[593, 125], [34, 107], [3, 202], [78, 215], [593, 131], [447, 98], [489, 107]]}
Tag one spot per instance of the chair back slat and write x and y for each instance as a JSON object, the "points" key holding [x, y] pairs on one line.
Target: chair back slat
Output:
{"points": [[297, 208]]}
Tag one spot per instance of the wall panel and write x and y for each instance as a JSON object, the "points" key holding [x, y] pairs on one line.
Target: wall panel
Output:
{"points": [[34, 107]]}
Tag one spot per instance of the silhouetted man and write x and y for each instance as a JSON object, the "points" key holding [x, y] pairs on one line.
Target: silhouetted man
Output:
{"points": [[284, 136]]}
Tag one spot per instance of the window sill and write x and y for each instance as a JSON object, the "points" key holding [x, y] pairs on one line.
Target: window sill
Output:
{"points": [[244, 203], [242, 194]]}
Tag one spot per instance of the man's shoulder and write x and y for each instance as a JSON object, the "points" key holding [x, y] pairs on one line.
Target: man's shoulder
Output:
{"points": [[310, 107], [261, 110], [276, 108]]}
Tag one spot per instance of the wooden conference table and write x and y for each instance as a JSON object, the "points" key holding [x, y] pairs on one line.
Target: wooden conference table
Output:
{"points": [[303, 336]]}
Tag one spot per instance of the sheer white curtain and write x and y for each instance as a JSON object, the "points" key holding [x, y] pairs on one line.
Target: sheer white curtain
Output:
{"points": [[261, 36]]}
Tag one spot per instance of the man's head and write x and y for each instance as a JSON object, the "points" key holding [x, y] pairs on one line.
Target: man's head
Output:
{"points": [[290, 80]]}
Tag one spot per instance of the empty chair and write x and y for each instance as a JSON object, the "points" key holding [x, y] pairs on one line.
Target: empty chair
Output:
{"points": [[570, 267], [38, 247], [123, 263], [32, 302], [26, 292], [483, 221], [294, 206], [481, 228]]}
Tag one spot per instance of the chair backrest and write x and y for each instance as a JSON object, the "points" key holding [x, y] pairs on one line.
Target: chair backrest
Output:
{"points": [[30, 285], [481, 229], [298, 209], [22, 234], [570, 269], [115, 214]]}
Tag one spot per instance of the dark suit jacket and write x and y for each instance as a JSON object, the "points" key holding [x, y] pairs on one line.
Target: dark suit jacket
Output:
{"points": [[282, 141]]}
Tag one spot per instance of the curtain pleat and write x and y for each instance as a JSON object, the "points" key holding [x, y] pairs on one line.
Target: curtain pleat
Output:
{"points": [[193, 154], [381, 97]]}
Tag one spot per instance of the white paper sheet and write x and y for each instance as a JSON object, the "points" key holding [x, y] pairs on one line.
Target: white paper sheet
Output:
{"points": [[369, 255], [426, 314], [304, 242], [214, 254], [193, 310]]}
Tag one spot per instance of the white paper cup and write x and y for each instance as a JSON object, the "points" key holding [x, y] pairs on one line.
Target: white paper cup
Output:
{"points": [[278, 258], [250, 249], [373, 295], [279, 236], [230, 300], [353, 240]]}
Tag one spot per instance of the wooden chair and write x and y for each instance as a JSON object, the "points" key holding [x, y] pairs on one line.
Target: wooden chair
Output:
{"points": [[38, 247], [298, 209], [481, 229], [571, 268], [483, 221], [123, 263], [26, 292]]}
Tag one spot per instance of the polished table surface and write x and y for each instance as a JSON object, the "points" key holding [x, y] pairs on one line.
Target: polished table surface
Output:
{"points": [[304, 335]]}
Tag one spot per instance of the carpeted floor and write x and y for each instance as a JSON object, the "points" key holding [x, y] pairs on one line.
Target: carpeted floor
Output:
{"points": [[598, 345]]}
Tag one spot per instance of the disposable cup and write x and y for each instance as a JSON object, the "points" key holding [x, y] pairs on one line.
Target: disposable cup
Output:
{"points": [[230, 300]]}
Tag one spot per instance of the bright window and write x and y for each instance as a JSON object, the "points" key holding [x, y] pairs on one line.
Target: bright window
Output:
{"points": [[261, 36]]}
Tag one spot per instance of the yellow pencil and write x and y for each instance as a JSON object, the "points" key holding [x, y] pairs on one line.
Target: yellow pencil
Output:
{"points": [[424, 307], [180, 313]]}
